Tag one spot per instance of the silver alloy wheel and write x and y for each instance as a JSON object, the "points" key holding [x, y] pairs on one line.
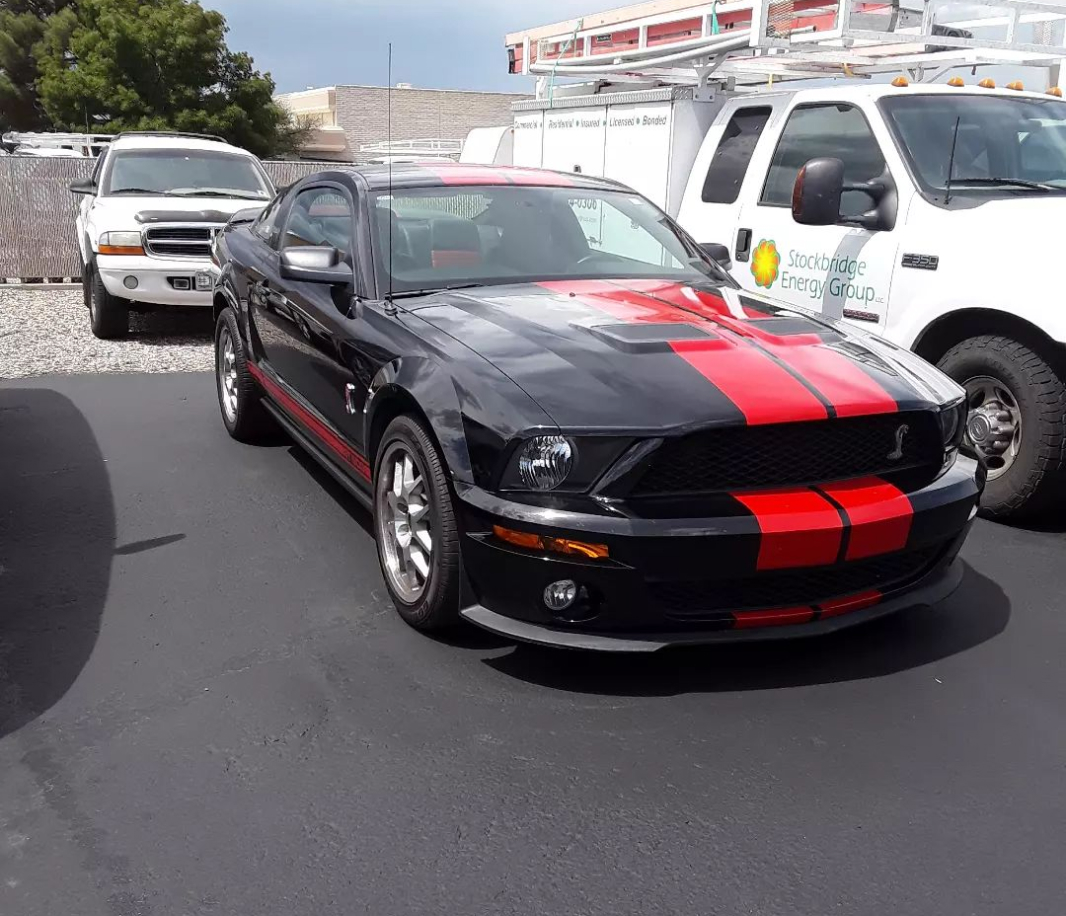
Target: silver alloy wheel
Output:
{"points": [[227, 374], [405, 525], [994, 424]]}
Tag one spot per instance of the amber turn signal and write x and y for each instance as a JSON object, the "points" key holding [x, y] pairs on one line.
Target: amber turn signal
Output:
{"points": [[956, 81], [1016, 86], [901, 81], [1055, 91], [987, 83], [554, 545], [121, 249]]}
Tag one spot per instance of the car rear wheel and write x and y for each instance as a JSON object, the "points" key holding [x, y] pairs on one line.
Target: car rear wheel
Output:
{"points": [[1016, 405], [239, 397], [414, 522], [109, 316]]}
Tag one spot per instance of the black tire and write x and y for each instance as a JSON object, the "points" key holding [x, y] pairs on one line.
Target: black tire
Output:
{"points": [[1036, 480], [249, 421], [437, 607], [86, 282], [109, 316]]}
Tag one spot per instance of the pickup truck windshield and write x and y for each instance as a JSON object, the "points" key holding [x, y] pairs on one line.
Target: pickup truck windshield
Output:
{"points": [[462, 236], [185, 173], [1005, 146]]}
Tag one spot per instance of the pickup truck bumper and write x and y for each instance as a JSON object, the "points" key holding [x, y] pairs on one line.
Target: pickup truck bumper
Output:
{"points": [[158, 280]]}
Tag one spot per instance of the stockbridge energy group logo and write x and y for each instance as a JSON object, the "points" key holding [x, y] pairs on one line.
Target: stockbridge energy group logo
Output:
{"points": [[812, 273]]}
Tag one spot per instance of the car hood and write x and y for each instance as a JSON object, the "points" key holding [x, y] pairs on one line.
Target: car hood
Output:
{"points": [[651, 355], [139, 211]]}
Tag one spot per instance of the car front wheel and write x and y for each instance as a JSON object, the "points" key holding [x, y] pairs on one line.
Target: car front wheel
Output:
{"points": [[238, 395], [415, 526]]}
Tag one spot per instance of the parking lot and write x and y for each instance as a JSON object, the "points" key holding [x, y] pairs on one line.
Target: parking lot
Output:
{"points": [[208, 705]]}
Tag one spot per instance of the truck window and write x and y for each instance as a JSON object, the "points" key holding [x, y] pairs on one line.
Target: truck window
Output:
{"points": [[730, 163], [814, 131]]}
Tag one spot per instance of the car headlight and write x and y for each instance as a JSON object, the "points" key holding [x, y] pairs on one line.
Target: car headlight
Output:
{"points": [[121, 243], [953, 423], [544, 462]]}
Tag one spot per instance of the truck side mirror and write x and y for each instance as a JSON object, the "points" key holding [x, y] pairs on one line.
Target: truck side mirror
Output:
{"points": [[718, 253], [83, 186], [816, 194]]}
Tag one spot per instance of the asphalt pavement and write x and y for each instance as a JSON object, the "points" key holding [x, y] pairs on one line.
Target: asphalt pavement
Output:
{"points": [[208, 706]]}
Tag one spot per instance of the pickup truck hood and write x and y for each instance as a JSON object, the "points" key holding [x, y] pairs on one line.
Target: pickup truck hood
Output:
{"points": [[135, 212], [653, 355]]}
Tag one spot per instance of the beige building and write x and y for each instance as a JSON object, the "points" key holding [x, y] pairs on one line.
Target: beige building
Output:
{"points": [[349, 118]]}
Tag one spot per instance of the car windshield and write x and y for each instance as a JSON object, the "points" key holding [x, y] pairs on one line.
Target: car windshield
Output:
{"points": [[186, 173], [1004, 145], [447, 237]]}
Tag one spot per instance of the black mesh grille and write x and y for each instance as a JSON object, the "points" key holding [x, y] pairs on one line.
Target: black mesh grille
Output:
{"points": [[793, 587], [179, 241], [790, 454]]}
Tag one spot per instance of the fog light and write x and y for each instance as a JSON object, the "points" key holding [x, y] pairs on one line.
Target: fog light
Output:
{"points": [[204, 281], [560, 595], [130, 282]]}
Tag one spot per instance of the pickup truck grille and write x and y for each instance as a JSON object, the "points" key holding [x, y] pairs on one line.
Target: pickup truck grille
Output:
{"points": [[794, 454], [179, 241]]}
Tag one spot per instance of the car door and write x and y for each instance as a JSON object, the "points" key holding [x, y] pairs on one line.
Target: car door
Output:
{"points": [[317, 320], [842, 270]]}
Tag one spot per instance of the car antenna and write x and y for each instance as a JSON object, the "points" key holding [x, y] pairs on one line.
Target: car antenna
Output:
{"points": [[951, 161], [390, 305]]}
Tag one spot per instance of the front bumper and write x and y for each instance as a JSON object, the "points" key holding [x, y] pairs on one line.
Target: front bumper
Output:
{"points": [[671, 581], [155, 279]]}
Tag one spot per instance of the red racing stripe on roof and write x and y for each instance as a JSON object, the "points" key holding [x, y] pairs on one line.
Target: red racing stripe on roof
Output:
{"points": [[879, 515], [466, 174], [799, 527]]}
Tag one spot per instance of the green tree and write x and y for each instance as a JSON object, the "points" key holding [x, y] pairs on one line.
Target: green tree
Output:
{"points": [[22, 24], [155, 65]]}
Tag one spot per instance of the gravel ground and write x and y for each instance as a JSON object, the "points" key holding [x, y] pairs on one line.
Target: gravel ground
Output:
{"points": [[46, 330]]}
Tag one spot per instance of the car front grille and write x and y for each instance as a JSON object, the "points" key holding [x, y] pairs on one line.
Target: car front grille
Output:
{"points": [[179, 241], [790, 454], [795, 587]]}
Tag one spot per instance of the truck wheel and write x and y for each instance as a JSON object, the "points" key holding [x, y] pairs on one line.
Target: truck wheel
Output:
{"points": [[1017, 402], [415, 527], [109, 316], [245, 418]]}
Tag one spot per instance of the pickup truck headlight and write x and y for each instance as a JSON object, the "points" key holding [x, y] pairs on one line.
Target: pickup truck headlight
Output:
{"points": [[121, 243]]}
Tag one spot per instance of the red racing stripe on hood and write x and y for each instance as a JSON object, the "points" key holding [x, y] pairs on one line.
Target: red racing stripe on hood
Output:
{"points": [[879, 515], [799, 527], [762, 390]]}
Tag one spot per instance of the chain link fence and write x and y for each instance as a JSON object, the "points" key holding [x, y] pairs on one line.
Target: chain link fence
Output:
{"points": [[37, 211]]}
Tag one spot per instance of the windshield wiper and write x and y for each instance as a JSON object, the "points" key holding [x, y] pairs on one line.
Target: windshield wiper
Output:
{"points": [[235, 195], [1009, 182], [412, 293], [153, 192]]}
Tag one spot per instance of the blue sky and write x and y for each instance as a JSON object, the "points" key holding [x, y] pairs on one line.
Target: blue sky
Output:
{"points": [[444, 44]]}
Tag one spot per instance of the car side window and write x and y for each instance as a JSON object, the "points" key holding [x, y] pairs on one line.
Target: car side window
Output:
{"points": [[814, 131], [320, 216], [266, 227], [726, 172]]}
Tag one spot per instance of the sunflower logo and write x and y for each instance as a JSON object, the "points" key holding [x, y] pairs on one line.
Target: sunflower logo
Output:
{"points": [[764, 263]]}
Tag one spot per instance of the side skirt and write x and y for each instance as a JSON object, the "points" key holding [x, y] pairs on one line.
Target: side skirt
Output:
{"points": [[320, 456]]}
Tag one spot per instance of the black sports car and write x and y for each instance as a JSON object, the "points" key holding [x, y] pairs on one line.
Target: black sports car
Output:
{"points": [[570, 425]]}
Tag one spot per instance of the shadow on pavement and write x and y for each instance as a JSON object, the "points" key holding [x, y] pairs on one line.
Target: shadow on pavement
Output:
{"points": [[977, 612], [57, 540], [173, 326]]}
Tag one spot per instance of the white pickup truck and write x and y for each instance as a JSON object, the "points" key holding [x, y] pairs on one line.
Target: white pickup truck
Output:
{"points": [[875, 234], [147, 219]]}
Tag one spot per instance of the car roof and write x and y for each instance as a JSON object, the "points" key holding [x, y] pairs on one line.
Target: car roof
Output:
{"points": [[433, 173], [133, 141]]}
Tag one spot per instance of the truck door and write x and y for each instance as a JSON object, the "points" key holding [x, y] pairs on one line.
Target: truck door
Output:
{"points": [[842, 270]]}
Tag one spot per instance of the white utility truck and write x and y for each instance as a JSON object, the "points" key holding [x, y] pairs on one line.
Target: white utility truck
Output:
{"points": [[924, 213], [148, 216]]}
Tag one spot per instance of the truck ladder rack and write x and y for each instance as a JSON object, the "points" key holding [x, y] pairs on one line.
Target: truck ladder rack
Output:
{"points": [[753, 41]]}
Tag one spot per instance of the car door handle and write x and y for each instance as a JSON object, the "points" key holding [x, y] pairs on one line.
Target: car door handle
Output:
{"points": [[743, 250]]}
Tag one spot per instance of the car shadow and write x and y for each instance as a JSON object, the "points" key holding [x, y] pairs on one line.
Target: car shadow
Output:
{"points": [[976, 613], [173, 326], [328, 482], [57, 541]]}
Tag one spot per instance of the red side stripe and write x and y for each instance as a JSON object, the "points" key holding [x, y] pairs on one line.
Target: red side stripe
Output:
{"points": [[761, 389], [799, 528], [338, 446], [779, 618], [849, 604], [880, 515]]}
